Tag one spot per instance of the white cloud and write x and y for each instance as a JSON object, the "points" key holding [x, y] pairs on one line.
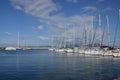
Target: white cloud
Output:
{"points": [[8, 33], [43, 8], [107, 9], [57, 22], [89, 8], [18, 7], [101, 0], [37, 8], [43, 38], [40, 28], [74, 1]]}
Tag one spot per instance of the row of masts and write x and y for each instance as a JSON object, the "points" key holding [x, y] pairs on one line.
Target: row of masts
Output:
{"points": [[94, 41]]}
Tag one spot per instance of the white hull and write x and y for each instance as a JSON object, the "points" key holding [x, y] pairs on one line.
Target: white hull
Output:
{"points": [[10, 48], [69, 50], [59, 50], [81, 51], [51, 49]]}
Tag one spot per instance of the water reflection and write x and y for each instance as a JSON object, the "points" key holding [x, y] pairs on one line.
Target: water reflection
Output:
{"points": [[45, 65], [90, 67]]}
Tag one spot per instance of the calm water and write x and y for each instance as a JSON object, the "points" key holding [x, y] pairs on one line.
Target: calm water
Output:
{"points": [[46, 65]]}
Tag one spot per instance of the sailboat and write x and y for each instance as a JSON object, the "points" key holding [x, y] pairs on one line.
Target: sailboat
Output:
{"points": [[18, 43]]}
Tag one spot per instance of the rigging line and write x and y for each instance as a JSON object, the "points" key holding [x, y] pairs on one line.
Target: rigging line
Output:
{"points": [[116, 29]]}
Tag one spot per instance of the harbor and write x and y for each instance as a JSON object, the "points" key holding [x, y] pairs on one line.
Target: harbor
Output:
{"points": [[59, 39], [92, 40]]}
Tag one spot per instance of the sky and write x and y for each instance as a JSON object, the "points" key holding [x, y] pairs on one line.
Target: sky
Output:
{"points": [[38, 20]]}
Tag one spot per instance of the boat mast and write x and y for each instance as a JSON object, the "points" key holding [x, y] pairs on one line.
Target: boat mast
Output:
{"points": [[85, 36], [82, 38], [94, 33], [65, 38], [103, 33], [18, 42], [75, 36], [108, 30], [91, 30], [116, 29], [100, 30]]}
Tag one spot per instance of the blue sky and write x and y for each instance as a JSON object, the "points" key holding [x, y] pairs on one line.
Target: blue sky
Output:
{"points": [[38, 20]]}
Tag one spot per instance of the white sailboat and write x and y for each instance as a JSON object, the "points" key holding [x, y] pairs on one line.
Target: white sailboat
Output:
{"points": [[10, 48], [18, 43]]}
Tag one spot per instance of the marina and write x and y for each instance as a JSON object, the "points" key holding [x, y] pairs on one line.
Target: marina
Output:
{"points": [[59, 39], [92, 42]]}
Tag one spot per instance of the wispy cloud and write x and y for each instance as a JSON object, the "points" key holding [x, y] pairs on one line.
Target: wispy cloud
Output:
{"points": [[101, 0], [42, 9], [37, 8], [89, 9], [8, 33], [43, 38], [73, 1], [18, 7], [107, 9], [40, 27]]}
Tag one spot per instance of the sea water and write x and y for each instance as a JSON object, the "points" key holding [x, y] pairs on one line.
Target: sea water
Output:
{"points": [[49, 65]]}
